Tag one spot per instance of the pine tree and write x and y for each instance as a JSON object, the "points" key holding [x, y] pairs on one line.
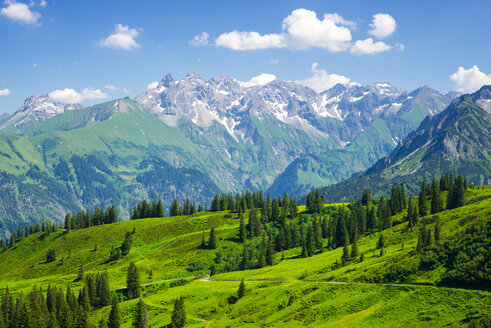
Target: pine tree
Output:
{"points": [[241, 291], [354, 250], [141, 317], [422, 205], [213, 270], [114, 320], [133, 281], [381, 241], [179, 313], [341, 235], [81, 274], [242, 231], [212, 242], [345, 257], [437, 230], [160, 209], [436, 201]]}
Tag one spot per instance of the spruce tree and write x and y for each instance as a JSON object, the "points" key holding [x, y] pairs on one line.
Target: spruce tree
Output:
{"points": [[354, 250], [381, 241], [241, 291], [160, 209], [341, 235], [436, 201], [345, 257], [437, 230], [141, 317], [114, 320], [242, 231], [133, 281], [422, 205], [179, 313], [212, 242]]}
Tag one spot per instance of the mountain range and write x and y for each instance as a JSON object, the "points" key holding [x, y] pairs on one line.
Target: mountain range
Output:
{"points": [[457, 140], [194, 137]]}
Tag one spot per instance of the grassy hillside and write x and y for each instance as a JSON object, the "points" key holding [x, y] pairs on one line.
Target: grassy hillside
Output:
{"points": [[312, 291]]}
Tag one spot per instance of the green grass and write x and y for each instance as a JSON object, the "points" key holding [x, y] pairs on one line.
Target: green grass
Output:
{"points": [[293, 292]]}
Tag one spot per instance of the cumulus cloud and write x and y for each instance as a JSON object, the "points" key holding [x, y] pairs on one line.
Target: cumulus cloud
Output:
{"points": [[20, 13], [123, 38], [153, 85], [5, 92], [305, 30], [72, 96], [382, 25], [469, 80], [200, 39], [300, 31], [368, 47], [260, 79], [320, 80], [236, 40]]}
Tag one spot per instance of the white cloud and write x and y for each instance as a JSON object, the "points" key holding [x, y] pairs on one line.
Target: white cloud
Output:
{"points": [[260, 79], [72, 96], [305, 30], [5, 92], [399, 47], [43, 3], [123, 38], [20, 13], [368, 47], [469, 80], [200, 39], [236, 40], [111, 88], [272, 61], [153, 85], [301, 30], [321, 80], [382, 25]]}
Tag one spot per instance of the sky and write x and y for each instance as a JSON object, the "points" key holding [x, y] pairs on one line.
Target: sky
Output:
{"points": [[93, 51]]}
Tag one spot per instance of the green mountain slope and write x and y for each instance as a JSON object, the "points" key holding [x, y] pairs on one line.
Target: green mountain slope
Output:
{"points": [[112, 153], [456, 140], [312, 291], [316, 170]]}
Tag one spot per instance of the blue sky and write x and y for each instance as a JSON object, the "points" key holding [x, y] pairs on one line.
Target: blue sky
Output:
{"points": [[67, 45]]}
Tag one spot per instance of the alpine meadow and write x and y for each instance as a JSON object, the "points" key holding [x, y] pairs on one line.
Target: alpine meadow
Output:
{"points": [[286, 184]]}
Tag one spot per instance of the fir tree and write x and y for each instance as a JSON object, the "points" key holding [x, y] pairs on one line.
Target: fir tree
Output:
{"points": [[160, 209], [141, 317], [241, 291], [133, 281], [345, 257], [422, 205], [212, 242], [381, 241], [114, 320], [242, 231], [179, 313], [437, 230], [354, 250], [436, 201]]}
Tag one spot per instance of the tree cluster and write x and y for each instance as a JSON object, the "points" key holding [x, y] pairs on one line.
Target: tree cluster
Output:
{"points": [[145, 209]]}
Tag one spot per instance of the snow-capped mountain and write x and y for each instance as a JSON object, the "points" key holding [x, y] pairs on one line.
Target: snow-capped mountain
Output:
{"points": [[34, 110], [228, 102]]}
